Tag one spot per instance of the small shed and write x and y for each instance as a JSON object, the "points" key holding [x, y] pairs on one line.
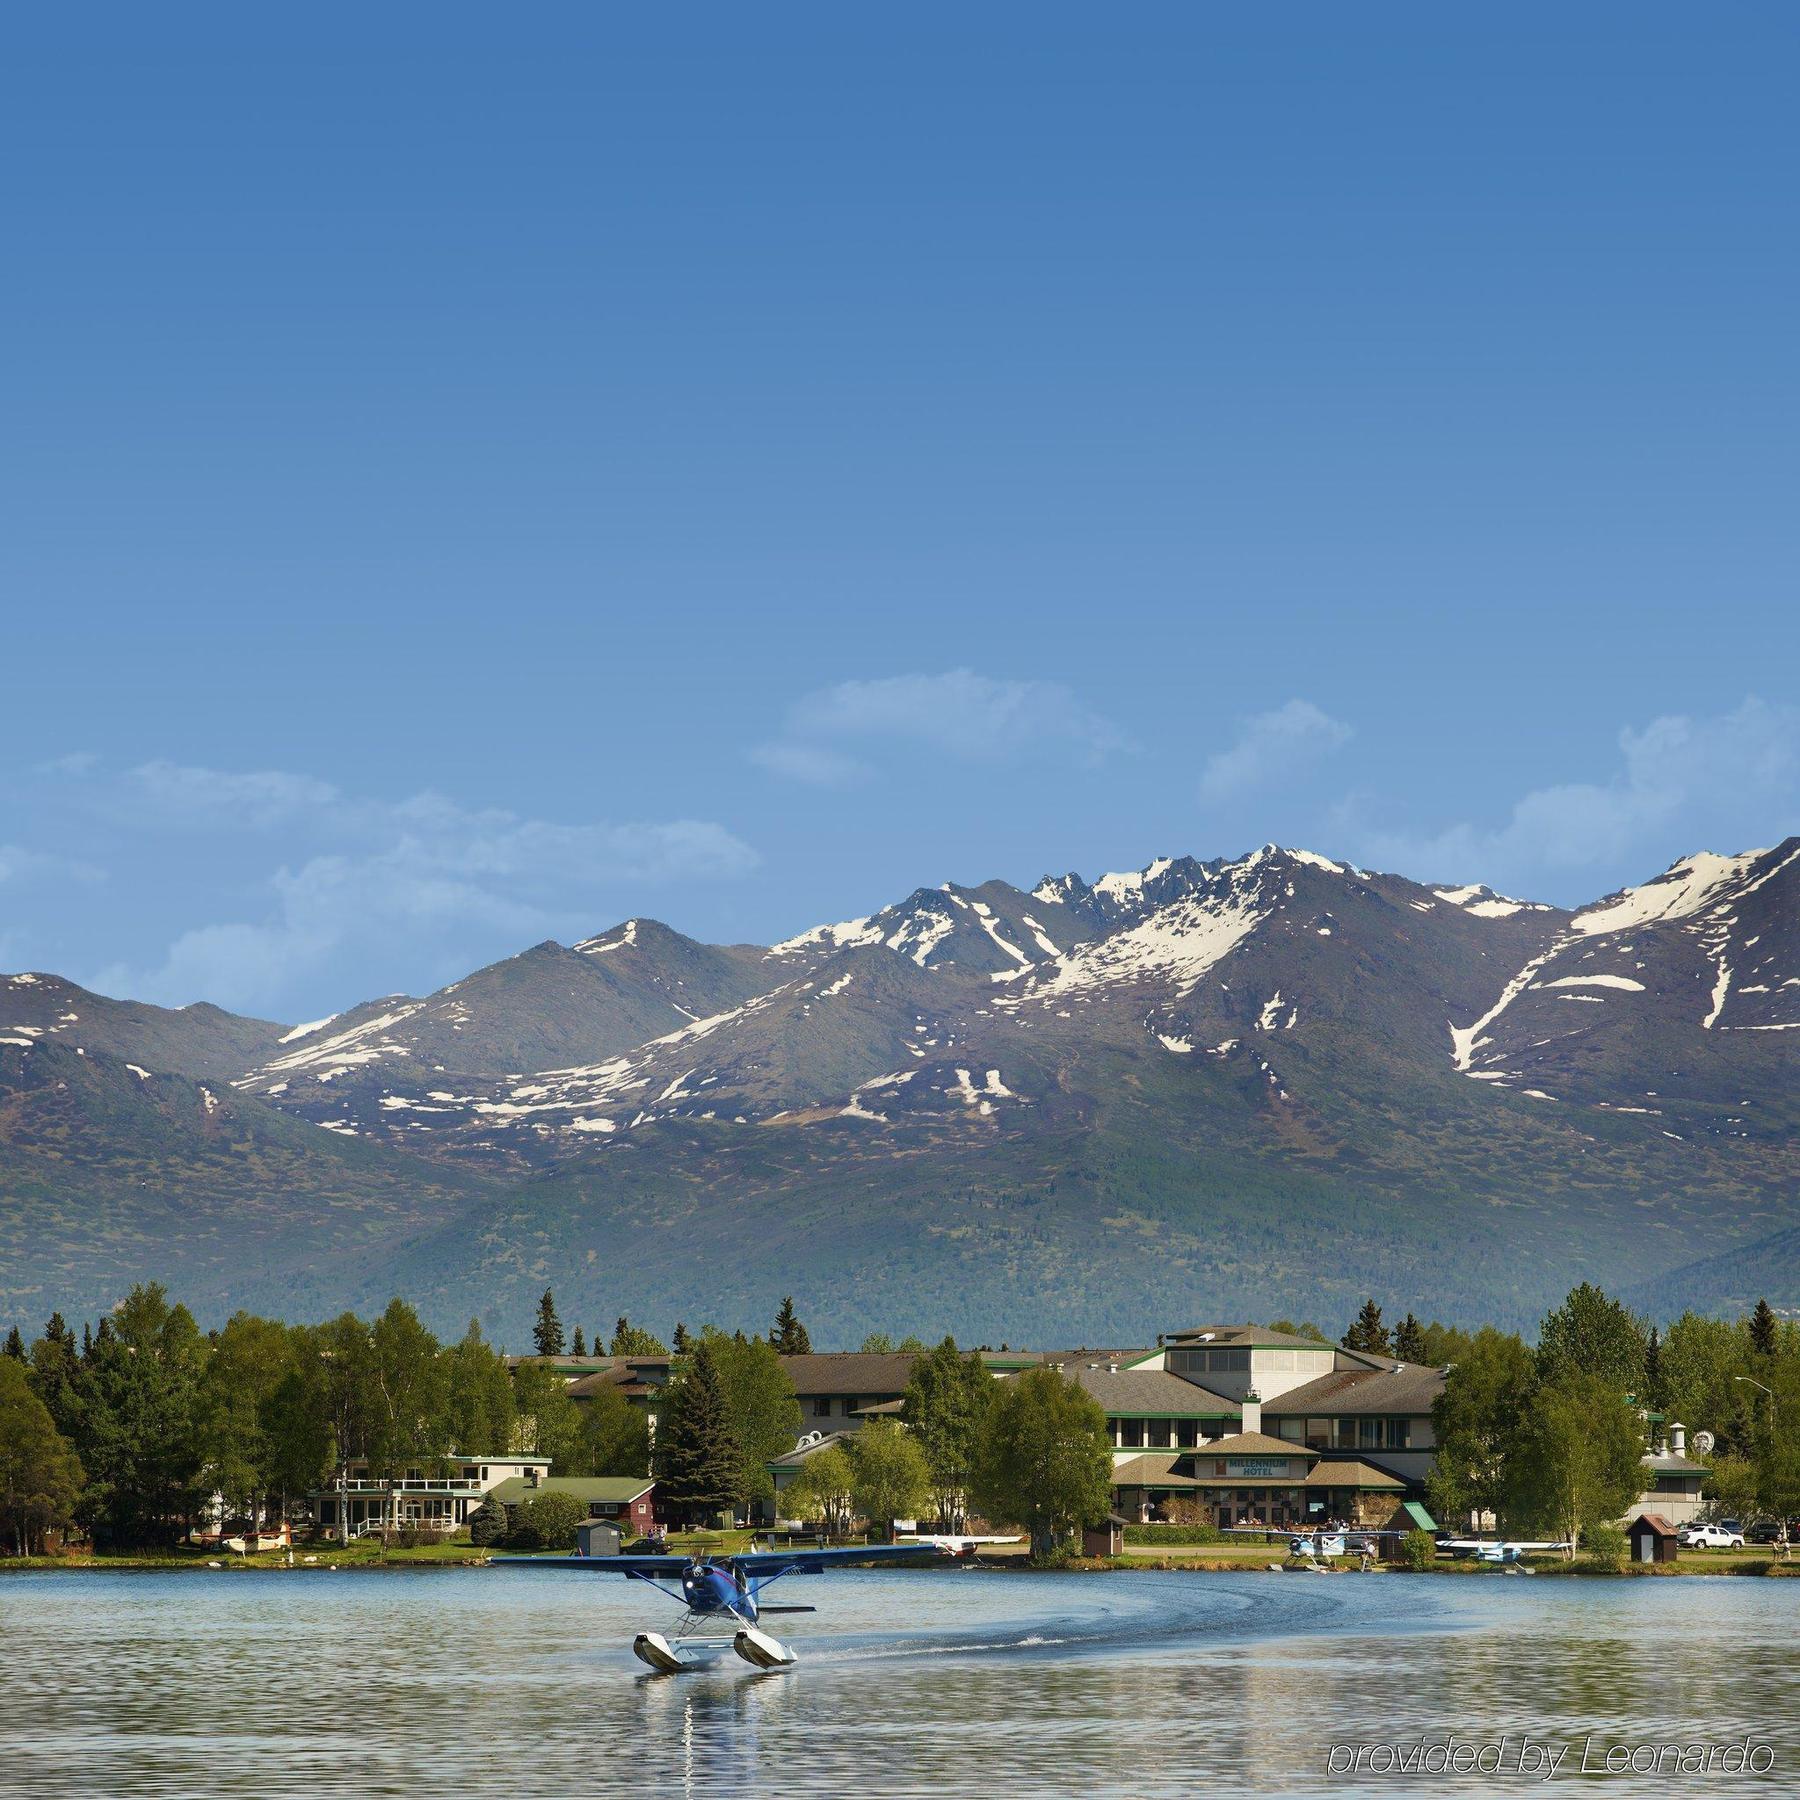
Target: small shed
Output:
{"points": [[1104, 1539], [1409, 1516], [597, 1537], [1653, 1539]]}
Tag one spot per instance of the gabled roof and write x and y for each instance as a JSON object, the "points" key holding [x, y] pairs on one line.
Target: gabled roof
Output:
{"points": [[1395, 1388], [619, 1490], [792, 1459], [1251, 1443], [1666, 1462], [878, 1372], [1656, 1522], [1239, 1336], [850, 1372], [1149, 1393], [1153, 1471], [1351, 1475], [621, 1376]]}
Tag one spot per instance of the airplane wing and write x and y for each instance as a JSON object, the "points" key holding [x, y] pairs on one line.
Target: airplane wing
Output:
{"points": [[650, 1566], [769, 1563]]}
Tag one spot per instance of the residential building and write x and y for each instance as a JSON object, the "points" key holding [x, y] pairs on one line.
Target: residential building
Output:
{"points": [[429, 1496], [1250, 1478], [628, 1501], [1345, 1436], [1672, 1482], [842, 1390], [1359, 1423]]}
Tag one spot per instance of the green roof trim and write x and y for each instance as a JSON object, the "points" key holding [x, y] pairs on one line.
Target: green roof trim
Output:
{"points": [[614, 1489], [1419, 1516]]}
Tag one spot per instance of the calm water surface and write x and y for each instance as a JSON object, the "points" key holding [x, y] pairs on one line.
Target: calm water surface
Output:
{"points": [[488, 1682]]}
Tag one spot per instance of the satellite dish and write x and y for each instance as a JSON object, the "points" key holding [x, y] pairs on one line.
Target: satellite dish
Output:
{"points": [[1703, 1442]]}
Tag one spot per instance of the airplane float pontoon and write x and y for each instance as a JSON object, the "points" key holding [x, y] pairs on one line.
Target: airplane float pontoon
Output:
{"points": [[721, 1596]]}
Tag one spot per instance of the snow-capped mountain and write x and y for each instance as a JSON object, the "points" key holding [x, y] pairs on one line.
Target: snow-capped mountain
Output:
{"points": [[1359, 1050]]}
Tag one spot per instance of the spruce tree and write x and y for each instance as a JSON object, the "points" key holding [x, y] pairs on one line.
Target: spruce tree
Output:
{"points": [[579, 1346], [1368, 1334], [1656, 1386], [488, 1522], [15, 1345], [1593, 1334], [1409, 1340], [789, 1336], [547, 1333], [699, 1459], [1762, 1329], [633, 1340], [682, 1341]]}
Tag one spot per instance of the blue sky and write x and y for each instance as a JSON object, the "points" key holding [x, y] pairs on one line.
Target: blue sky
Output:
{"points": [[469, 479]]}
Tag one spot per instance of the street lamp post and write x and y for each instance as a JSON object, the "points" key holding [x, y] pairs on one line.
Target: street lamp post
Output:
{"points": [[1769, 1392]]}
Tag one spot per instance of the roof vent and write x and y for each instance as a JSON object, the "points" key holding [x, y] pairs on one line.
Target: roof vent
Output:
{"points": [[1112, 1368], [1398, 1369], [1206, 1337]]}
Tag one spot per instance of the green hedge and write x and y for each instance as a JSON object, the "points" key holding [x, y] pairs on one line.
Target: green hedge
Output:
{"points": [[1175, 1534]]}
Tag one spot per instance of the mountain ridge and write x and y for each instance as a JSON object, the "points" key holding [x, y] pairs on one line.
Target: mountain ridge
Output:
{"points": [[1408, 1073]]}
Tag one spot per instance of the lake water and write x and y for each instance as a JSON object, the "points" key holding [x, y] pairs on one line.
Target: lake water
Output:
{"points": [[489, 1682]]}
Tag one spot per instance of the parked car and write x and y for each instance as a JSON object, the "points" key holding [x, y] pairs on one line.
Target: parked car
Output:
{"points": [[1712, 1537]]}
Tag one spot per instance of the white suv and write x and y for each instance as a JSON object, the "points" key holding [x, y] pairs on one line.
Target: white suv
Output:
{"points": [[1712, 1537]]}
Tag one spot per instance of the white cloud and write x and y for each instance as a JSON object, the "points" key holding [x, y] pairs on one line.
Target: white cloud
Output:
{"points": [[208, 797], [816, 764], [1271, 746], [419, 881], [1726, 783], [75, 763], [18, 864], [959, 713]]}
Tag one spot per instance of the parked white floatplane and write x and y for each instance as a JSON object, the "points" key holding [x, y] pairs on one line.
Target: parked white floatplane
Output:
{"points": [[958, 1544], [1511, 1551], [721, 1596]]}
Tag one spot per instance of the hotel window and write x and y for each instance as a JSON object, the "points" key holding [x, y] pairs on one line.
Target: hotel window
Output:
{"points": [[1399, 1434], [1159, 1434], [822, 1407], [1318, 1434], [1187, 1433], [1293, 1430], [1369, 1434], [1346, 1435], [851, 1403], [1131, 1434]]}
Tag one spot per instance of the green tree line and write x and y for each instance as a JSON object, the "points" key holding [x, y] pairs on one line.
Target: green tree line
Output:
{"points": [[1548, 1438], [131, 1430]]}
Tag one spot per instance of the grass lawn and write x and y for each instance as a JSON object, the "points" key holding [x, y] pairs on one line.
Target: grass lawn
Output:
{"points": [[361, 1554]]}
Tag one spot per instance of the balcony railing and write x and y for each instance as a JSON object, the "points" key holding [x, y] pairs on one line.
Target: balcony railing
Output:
{"points": [[369, 1484]]}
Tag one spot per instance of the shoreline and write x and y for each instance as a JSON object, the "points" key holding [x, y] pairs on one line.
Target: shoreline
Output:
{"points": [[411, 1562]]}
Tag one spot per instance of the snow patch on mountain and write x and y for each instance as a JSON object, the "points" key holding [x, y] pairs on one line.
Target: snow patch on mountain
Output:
{"points": [[1682, 890], [920, 935], [307, 1030], [847, 934], [1178, 942], [1466, 1039]]}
